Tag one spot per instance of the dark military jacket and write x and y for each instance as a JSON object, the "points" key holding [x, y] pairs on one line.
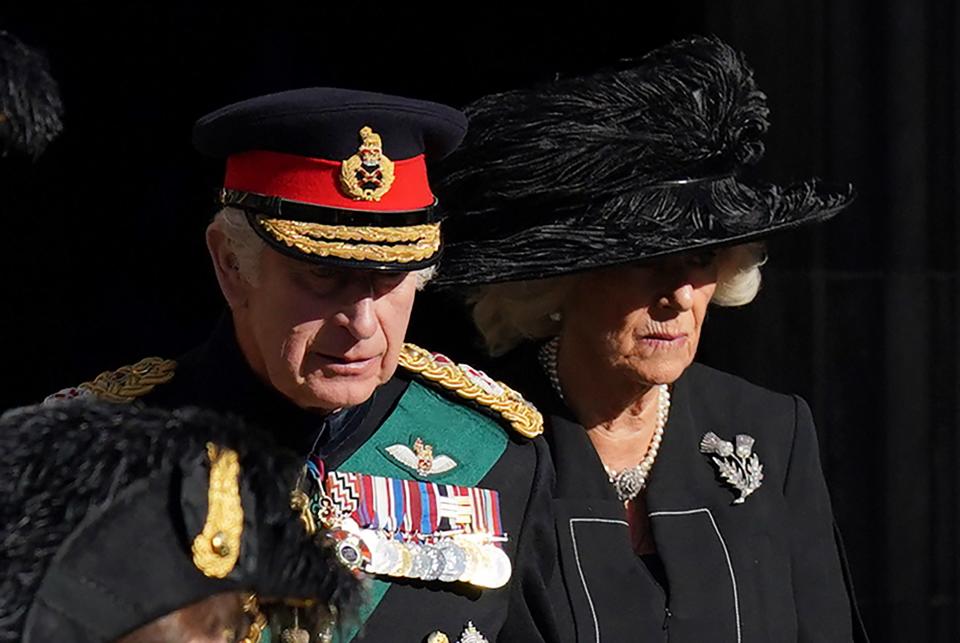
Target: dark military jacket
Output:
{"points": [[489, 450], [769, 569]]}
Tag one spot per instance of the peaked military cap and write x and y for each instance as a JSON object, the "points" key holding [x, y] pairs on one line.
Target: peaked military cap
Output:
{"points": [[335, 176], [116, 515]]}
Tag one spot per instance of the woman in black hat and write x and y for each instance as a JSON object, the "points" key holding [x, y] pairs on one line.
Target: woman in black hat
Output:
{"points": [[600, 217]]}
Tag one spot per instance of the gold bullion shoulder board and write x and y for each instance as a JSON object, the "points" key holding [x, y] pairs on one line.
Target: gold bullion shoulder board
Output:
{"points": [[475, 385], [124, 384]]}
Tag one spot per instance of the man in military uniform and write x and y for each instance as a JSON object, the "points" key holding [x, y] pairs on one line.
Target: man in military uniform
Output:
{"points": [[137, 525], [424, 473]]}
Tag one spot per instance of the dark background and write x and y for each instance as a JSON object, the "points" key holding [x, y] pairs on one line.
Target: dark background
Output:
{"points": [[102, 259]]}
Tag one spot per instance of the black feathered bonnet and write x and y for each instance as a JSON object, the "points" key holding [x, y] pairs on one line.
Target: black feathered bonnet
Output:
{"points": [[106, 508], [30, 107], [615, 168]]}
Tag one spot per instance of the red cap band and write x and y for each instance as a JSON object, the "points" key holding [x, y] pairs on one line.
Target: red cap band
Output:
{"points": [[317, 181]]}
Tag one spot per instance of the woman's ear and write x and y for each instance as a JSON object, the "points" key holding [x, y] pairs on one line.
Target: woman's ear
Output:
{"points": [[233, 284]]}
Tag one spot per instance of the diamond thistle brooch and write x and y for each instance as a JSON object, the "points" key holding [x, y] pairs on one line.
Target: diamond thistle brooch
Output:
{"points": [[738, 465]]}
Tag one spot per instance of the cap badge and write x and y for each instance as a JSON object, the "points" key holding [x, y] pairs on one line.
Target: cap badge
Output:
{"points": [[421, 458], [368, 174], [738, 465], [470, 634]]}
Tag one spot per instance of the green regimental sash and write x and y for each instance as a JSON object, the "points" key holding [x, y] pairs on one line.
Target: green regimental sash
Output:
{"points": [[474, 441]]}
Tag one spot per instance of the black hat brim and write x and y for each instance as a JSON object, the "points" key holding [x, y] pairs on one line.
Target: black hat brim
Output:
{"points": [[651, 223]]}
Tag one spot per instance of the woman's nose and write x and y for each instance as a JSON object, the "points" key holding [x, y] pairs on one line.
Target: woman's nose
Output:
{"points": [[679, 298]]}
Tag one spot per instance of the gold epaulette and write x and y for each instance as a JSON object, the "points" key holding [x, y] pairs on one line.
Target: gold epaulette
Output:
{"points": [[124, 384], [475, 385]]}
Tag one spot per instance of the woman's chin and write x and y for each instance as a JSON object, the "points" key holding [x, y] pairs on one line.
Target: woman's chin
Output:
{"points": [[656, 372]]}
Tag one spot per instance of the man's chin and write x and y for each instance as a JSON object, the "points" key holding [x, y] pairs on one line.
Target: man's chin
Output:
{"points": [[331, 396]]}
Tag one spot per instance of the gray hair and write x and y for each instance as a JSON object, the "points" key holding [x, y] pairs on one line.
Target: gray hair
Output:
{"points": [[509, 313], [247, 246]]}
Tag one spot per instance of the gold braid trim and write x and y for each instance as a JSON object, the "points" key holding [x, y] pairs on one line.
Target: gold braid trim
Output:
{"points": [[130, 382], [523, 417], [365, 233], [423, 241], [217, 548], [252, 608], [300, 503]]}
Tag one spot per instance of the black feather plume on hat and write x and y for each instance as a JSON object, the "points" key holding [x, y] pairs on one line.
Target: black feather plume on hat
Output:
{"points": [[613, 168], [63, 463], [30, 106]]}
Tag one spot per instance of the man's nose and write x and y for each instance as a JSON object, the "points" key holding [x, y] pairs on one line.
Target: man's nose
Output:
{"points": [[359, 318]]}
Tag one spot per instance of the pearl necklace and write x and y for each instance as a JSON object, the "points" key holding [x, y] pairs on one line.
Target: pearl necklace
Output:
{"points": [[548, 362], [628, 482]]}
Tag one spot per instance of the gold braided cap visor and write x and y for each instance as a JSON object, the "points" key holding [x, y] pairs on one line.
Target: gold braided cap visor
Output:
{"points": [[383, 245]]}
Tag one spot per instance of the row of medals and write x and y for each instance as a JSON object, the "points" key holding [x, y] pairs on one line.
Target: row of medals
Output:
{"points": [[466, 558]]}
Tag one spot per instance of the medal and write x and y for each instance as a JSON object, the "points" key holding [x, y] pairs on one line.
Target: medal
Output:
{"points": [[435, 562], [473, 560], [454, 561], [403, 569], [500, 566], [380, 562], [494, 568], [351, 551], [411, 529], [421, 562], [394, 561]]}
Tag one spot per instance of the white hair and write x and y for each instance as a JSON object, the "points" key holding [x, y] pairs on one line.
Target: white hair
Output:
{"points": [[509, 313], [247, 246], [738, 274]]}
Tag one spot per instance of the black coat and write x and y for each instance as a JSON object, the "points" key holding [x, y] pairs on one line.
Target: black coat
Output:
{"points": [[769, 569]]}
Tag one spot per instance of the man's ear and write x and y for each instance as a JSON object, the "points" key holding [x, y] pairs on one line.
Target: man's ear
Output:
{"points": [[233, 285]]}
